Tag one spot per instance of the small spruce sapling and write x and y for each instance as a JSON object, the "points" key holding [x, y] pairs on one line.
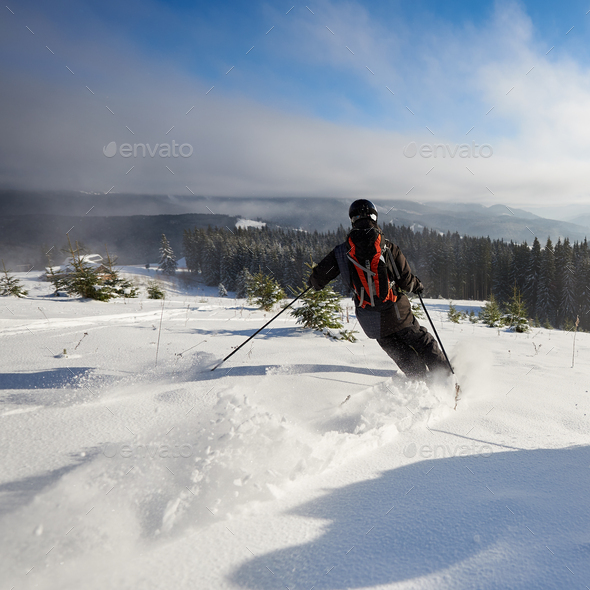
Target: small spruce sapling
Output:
{"points": [[320, 310], [516, 314], [57, 280], [118, 286], [491, 314], [10, 285], [453, 314], [263, 291], [81, 278], [155, 291], [222, 290]]}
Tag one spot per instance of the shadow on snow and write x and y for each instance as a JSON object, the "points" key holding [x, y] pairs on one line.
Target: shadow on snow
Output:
{"points": [[493, 518], [288, 369], [49, 379]]}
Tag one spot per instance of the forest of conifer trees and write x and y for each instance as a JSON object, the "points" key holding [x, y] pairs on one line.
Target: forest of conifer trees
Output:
{"points": [[554, 279]]}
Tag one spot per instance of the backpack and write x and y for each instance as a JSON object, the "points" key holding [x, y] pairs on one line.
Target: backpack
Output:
{"points": [[371, 269]]}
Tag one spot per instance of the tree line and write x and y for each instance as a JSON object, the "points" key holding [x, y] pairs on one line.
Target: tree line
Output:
{"points": [[554, 280]]}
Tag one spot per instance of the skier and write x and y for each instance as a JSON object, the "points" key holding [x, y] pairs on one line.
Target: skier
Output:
{"points": [[377, 272]]}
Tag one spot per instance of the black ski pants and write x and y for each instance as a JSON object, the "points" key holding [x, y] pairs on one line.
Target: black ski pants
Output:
{"points": [[415, 351]]}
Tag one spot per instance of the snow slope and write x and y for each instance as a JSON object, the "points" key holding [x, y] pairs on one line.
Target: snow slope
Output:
{"points": [[122, 472]]}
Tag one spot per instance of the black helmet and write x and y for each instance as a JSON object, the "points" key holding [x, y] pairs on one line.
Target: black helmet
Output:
{"points": [[362, 208]]}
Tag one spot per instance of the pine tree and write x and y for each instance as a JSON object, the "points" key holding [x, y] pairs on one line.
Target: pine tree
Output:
{"points": [[491, 314], [319, 310], [167, 260], [582, 286], [532, 277], [190, 247], [244, 277], [546, 296], [264, 291], [519, 267], [502, 262], [228, 264], [114, 283], [57, 280], [155, 291], [222, 290], [516, 313], [567, 292], [454, 315], [10, 285], [210, 263], [81, 278]]}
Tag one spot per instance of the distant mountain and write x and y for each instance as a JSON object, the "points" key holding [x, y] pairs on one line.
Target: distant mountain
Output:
{"points": [[497, 221], [134, 239], [132, 224], [582, 220]]}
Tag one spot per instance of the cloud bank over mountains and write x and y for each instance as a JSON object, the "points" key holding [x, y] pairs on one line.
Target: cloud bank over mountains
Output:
{"points": [[68, 96]]}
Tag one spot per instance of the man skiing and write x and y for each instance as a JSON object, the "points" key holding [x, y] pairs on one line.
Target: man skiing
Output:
{"points": [[378, 274]]}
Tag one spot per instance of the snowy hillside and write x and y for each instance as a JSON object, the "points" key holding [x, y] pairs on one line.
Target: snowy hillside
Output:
{"points": [[128, 463]]}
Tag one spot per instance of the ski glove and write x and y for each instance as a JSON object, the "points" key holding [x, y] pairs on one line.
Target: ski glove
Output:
{"points": [[313, 282], [417, 287]]}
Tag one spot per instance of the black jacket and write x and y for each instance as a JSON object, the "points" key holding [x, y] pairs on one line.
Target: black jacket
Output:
{"points": [[376, 324]]}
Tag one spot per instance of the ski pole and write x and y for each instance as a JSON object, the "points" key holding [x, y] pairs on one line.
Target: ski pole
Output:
{"points": [[436, 333], [260, 330]]}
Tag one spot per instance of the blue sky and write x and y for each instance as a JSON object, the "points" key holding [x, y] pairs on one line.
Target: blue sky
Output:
{"points": [[325, 68], [206, 39]]}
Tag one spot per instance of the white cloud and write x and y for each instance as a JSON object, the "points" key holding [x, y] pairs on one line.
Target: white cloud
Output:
{"points": [[54, 129]]}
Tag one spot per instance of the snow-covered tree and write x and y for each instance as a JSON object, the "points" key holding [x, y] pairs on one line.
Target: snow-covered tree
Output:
{"points": [[210, 263], [222, 290], [567, 284], [491, 314], [532, 277], [167, 260], [117, 285], [228, 267], [516, 313], [242, 281], [583, 287], [319, 310], [546, 297], [80, 276], [502, 262], [155, 291], [264, 291], [86, 278]]}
